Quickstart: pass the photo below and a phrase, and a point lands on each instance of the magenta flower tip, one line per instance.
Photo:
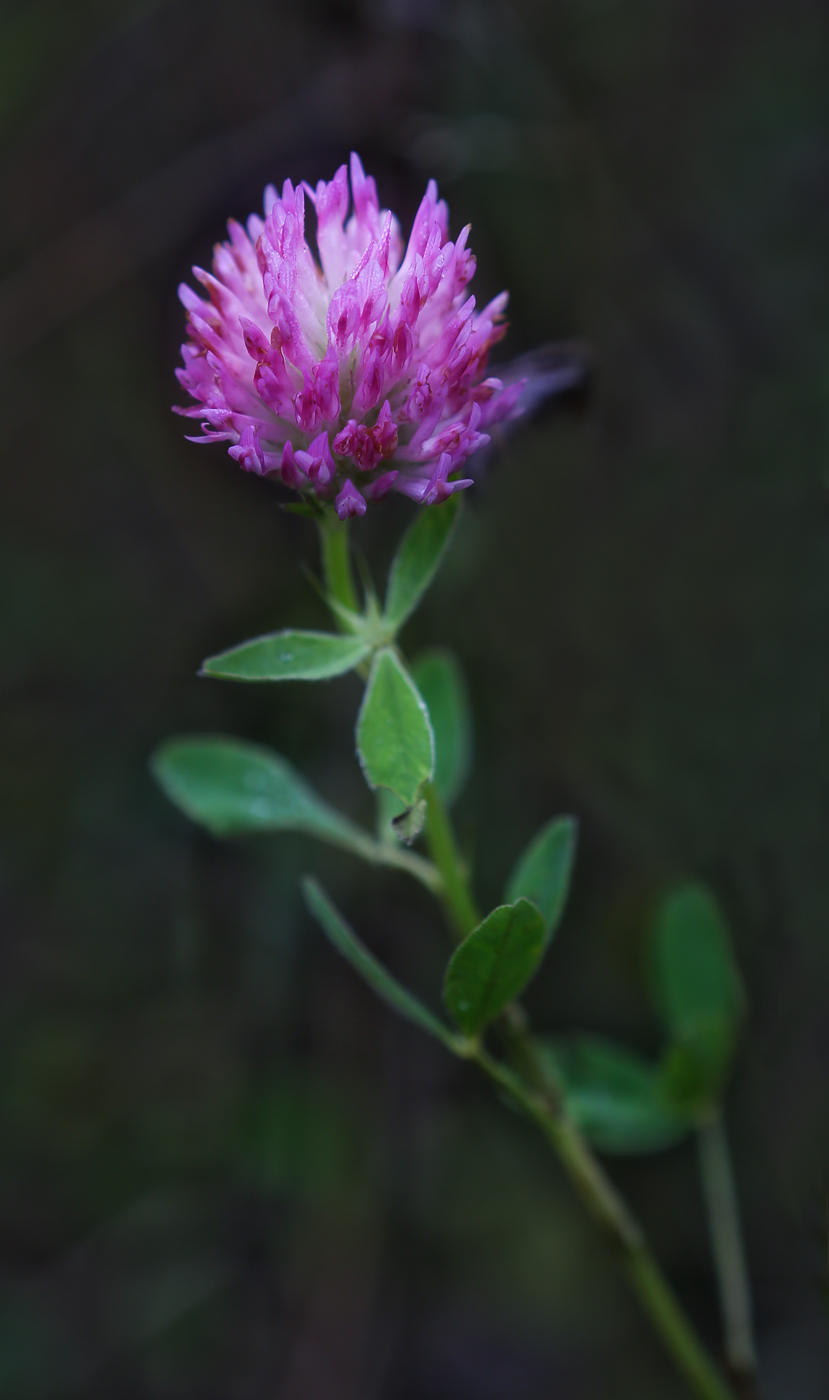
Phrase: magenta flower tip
(349, 502)
(364, 358)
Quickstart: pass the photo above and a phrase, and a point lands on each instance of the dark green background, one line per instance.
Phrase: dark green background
(226, 1170)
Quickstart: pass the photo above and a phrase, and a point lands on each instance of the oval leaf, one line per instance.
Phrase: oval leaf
(698, 991)
(695, 975)
(418, 559)
(543, 872)
(289, 656)
(615, 1096)
(232, 787)
(494, 964)
(693, 1072)
(348, 944)
(395, 743)
(440, 681)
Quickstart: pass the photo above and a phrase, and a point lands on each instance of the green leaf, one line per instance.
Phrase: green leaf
(395, 743)
(232, 787)
(698, 992)
(695, 974)
(692, 1074)
(346, 942)
(615, 1096)
(418, 559)
(440, 681)
(494, 964)
(289, 656)
(543, 872)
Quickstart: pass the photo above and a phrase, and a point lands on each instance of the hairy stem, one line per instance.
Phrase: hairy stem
(542, 1104)
(720, 1193)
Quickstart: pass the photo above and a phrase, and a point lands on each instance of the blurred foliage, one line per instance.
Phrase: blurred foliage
(225, 1170)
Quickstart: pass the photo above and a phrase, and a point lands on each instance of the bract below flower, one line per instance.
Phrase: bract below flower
(369, 359)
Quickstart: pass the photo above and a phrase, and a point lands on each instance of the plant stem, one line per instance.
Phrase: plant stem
(443, 848)
(588, 1176)
(612, 1215)
(336, 560)
(720, 1193)
(397, 857)
(537, 1099)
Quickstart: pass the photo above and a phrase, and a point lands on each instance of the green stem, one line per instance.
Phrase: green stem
(612, 1215)
(543, 1106)
(720, 1193)
(443, 848)
(539, 1102)
(336, 560)
(336, 569)
(397, 858)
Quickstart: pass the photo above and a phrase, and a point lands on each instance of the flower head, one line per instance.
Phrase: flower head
(367, 363)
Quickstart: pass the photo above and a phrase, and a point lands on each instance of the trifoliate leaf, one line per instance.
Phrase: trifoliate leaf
(440, 681)
(698, 992)
(543, 872)
(395, 744)
(494, 964)
(615, 1096)
(232, 787)
(349, 945)
(289, 656)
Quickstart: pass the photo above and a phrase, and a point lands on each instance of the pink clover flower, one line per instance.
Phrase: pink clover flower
(365, 358)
